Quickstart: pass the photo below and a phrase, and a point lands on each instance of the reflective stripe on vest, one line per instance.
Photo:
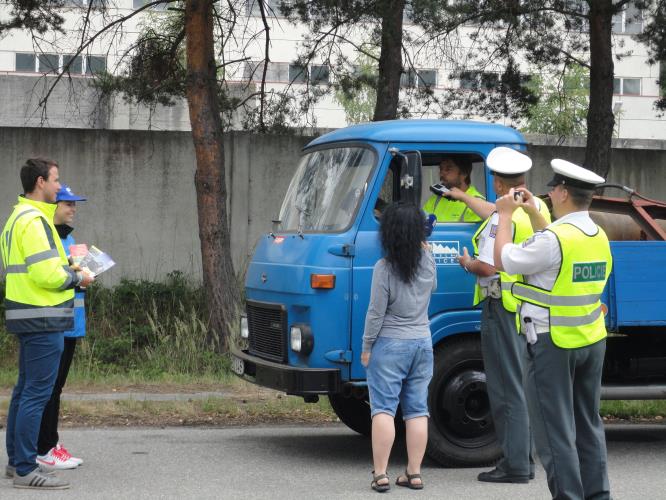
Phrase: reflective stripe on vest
(576, 316)
(544, 298)
(522, 229)
(449, 208)
(41, 312)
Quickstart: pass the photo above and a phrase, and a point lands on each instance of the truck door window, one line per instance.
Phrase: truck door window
(448, 169)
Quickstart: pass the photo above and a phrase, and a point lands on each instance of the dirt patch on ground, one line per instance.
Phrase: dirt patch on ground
(237, 408)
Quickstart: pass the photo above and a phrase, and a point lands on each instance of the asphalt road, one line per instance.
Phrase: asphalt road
(303, 463)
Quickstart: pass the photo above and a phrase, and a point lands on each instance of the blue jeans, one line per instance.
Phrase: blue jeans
(399, 372)
(39, 357)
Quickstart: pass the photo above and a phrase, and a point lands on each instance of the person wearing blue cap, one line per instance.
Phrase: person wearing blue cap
(51, 455)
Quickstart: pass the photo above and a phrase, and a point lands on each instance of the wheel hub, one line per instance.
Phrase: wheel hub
(464, 405)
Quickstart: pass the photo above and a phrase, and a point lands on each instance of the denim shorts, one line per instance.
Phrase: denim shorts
(399, 373)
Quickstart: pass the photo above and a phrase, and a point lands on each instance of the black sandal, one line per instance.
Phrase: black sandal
(380, 488)
(408, 483)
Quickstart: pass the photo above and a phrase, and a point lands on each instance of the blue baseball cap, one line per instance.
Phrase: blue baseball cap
(66, 194)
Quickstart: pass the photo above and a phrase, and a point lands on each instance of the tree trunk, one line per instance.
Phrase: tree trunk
(390, 61)
(600, 119)
(218, 273)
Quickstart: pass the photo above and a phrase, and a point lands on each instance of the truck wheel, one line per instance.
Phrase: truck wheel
(460, 430)
(353, 412)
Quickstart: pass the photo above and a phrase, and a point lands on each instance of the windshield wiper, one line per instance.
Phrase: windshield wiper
(302, 213)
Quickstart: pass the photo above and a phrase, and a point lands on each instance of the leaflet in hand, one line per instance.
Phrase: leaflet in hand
(94, 260)
(78, 252)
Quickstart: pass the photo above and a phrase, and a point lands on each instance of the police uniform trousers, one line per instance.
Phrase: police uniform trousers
(563, 392)
(504, 360)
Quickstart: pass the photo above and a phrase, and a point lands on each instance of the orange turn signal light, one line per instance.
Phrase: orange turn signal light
(326, 281)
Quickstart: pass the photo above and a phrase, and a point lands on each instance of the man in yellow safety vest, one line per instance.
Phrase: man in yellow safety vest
(39, 301)
(565, 269)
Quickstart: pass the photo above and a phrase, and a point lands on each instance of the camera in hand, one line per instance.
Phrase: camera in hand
(518, 195)
(439, 189)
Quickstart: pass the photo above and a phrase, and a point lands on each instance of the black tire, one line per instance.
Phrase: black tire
(353, 412)
(461, 432)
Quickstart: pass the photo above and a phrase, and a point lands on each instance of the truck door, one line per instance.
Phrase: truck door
(455, 286)
(398, 179)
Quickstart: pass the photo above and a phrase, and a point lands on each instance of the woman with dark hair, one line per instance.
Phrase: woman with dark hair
(397, 346)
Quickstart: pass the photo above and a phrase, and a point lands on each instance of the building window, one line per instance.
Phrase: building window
(48, 63)
(408, 79)
(272, 7)
(319, 74)
(629, 21)
(95, 65)
(298, 73)
(26, 62)
(276, 72)
(75, 64)
(426, 78)
(137, 4)
(627, 86)
(421, 78)
(55, 63)
(478, 80)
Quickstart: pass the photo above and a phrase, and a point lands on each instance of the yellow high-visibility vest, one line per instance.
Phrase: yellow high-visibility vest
(447, 210)
(39, 294)
(522, 229)
(576, 315)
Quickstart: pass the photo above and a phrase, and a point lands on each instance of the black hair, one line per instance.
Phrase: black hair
(402, 231)
(33, 169)
(581, 198)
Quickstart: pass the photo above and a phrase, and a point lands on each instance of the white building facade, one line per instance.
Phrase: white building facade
(28, 65)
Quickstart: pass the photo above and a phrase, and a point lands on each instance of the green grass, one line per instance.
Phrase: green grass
(265, 409)
(83, 380)
(633, 409)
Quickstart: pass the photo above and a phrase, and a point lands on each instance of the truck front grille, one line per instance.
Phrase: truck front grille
(267, 323)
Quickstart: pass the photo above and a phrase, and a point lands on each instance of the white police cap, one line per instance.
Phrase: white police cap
(507, 162)
(570, 174)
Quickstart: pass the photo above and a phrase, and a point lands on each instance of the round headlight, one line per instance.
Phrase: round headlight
(244, 330)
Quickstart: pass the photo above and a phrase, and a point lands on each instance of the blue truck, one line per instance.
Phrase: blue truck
(307, 286)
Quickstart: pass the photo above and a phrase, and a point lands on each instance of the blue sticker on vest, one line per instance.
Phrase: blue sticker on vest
(493, 230)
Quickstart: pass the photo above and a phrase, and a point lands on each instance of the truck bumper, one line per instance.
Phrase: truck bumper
(290, 379)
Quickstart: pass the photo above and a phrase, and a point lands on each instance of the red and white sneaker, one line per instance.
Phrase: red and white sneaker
(66, 454)
(55, 460)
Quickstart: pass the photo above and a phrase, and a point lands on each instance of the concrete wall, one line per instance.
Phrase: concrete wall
(140, 185)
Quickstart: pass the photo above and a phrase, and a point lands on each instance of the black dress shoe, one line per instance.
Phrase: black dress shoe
(498, 476)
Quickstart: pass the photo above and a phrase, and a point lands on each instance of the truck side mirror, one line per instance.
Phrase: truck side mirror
(410, 176)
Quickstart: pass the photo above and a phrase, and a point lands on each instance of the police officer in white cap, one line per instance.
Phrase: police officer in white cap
(503, 350)
(565, 269)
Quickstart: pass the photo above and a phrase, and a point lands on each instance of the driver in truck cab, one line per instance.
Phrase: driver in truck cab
(448, 204)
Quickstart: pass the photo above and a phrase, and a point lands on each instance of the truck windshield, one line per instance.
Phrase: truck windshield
(326, 189)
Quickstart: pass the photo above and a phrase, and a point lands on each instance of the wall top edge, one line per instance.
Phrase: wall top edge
(532, 139)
